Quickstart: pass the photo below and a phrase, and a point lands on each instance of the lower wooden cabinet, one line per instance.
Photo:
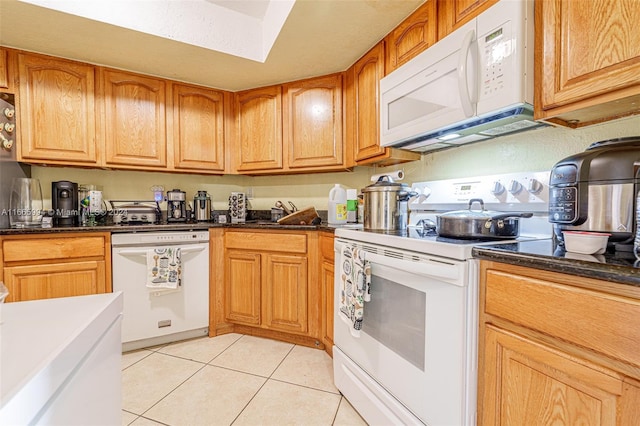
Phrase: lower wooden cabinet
(268, 285)
(557, 349)
(327, 256)
(49, 266)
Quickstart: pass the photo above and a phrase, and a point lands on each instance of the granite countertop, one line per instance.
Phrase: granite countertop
(191, 226)
(620, 267)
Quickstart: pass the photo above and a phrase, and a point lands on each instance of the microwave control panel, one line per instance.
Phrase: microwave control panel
(496, 54)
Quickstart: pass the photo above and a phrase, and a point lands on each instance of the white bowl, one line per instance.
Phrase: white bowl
(585, 242)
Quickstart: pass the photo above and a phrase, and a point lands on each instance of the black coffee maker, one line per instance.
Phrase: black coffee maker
(64, 202)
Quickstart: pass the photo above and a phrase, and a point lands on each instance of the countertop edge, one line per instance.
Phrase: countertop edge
(605, 272)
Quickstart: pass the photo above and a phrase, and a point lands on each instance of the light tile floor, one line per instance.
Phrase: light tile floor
(232, 379)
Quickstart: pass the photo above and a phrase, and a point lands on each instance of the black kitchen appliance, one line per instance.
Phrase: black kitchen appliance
(595, 191)
(176, 206)
(64, 203)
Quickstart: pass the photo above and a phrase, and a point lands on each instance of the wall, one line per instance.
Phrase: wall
(536, 150)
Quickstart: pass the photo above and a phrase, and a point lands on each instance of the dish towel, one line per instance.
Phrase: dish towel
(355, 287)
(164, 270)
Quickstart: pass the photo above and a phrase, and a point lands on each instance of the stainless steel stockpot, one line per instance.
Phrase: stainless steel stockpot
(385, 205)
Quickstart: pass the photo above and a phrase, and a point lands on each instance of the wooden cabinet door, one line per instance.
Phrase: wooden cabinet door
(242, 287)
(527, 383)
(312, 122)
(4, 69)
(412, 36)
(327, 256)
(454, 14)
(48, 281)
(134, 124)
(285, 297)
(258, 136)
(198, 129)
(367, 72)
(587, 60)
(57, 111)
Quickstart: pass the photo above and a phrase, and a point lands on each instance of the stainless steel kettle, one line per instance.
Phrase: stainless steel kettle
(202, 206)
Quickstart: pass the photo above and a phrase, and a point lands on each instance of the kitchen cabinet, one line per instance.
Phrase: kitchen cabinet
(133, 123)
(363, 112)
(454, 14)
(555, 347)
(57, 120)
(46, 266)
(327, 256)
(415, 34)
(269, 286)
(258, 137)
(313, 124)
(198, 136)
(587, 61)
(6, 83)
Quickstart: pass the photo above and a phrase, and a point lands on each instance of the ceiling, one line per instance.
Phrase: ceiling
(317, 37)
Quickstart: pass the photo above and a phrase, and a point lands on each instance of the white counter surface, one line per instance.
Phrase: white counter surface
(48, 348)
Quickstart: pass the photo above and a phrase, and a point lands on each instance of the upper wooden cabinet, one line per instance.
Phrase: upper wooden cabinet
(258, 130)
(587, 60)
(57, 111)
(5, 82)
(312, 123)
(133, 125)
(452, 14)
(198, 123)
(412, 36)
(363, 112)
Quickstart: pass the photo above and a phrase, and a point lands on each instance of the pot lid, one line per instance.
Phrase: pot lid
(385, 183)
(482, 213)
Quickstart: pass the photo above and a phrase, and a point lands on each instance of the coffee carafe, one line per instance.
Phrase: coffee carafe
(64, 202)
(202, 206)
(176, 206)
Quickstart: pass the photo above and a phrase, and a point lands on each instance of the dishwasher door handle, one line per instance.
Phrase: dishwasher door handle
(144, 252)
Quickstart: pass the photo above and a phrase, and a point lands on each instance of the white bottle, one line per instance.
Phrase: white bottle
(337, 210)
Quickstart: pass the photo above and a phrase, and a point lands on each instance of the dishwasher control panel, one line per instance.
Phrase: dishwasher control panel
(157, 238)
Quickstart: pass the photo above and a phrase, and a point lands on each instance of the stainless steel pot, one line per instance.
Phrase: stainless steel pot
(385, 205)
(481, 224)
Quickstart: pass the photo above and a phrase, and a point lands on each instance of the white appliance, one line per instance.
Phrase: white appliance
(151, 316)
(475, 84)
(415, 361)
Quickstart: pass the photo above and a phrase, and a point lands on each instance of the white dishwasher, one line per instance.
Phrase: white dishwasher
(153, 316)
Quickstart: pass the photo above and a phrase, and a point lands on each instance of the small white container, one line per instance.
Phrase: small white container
(585, 242)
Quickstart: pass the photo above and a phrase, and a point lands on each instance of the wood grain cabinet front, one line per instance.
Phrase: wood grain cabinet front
(587, 61)
(198, 123)
(269, 286)
(556, 348)
(258, 130)
(57, 121)
(49, 266)
(327, 256)
(133, 125)
(313, 124)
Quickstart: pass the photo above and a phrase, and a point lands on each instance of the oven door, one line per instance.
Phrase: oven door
(417, 342)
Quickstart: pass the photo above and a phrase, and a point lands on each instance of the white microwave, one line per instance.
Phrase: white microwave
(474, 84)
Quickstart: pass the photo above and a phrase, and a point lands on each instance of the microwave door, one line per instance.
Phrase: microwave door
(427, 101)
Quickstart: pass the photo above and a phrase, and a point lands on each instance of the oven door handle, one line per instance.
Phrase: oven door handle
(449, 272)
(144, 251)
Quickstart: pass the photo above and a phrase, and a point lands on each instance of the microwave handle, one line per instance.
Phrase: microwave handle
(466, 99)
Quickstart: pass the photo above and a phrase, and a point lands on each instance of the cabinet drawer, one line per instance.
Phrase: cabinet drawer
(266, 241)
(584, 317)
(52, 248)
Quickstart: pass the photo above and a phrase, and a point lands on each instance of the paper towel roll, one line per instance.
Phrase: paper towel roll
(396, 175)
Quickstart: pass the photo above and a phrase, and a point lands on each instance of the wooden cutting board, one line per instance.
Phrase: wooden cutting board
(301, 217)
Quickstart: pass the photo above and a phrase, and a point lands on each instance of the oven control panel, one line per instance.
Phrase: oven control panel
(505, 192)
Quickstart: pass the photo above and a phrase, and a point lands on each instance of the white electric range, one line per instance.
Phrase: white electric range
(414, 361)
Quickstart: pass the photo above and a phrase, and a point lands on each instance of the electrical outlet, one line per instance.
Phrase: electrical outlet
(249, 193)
